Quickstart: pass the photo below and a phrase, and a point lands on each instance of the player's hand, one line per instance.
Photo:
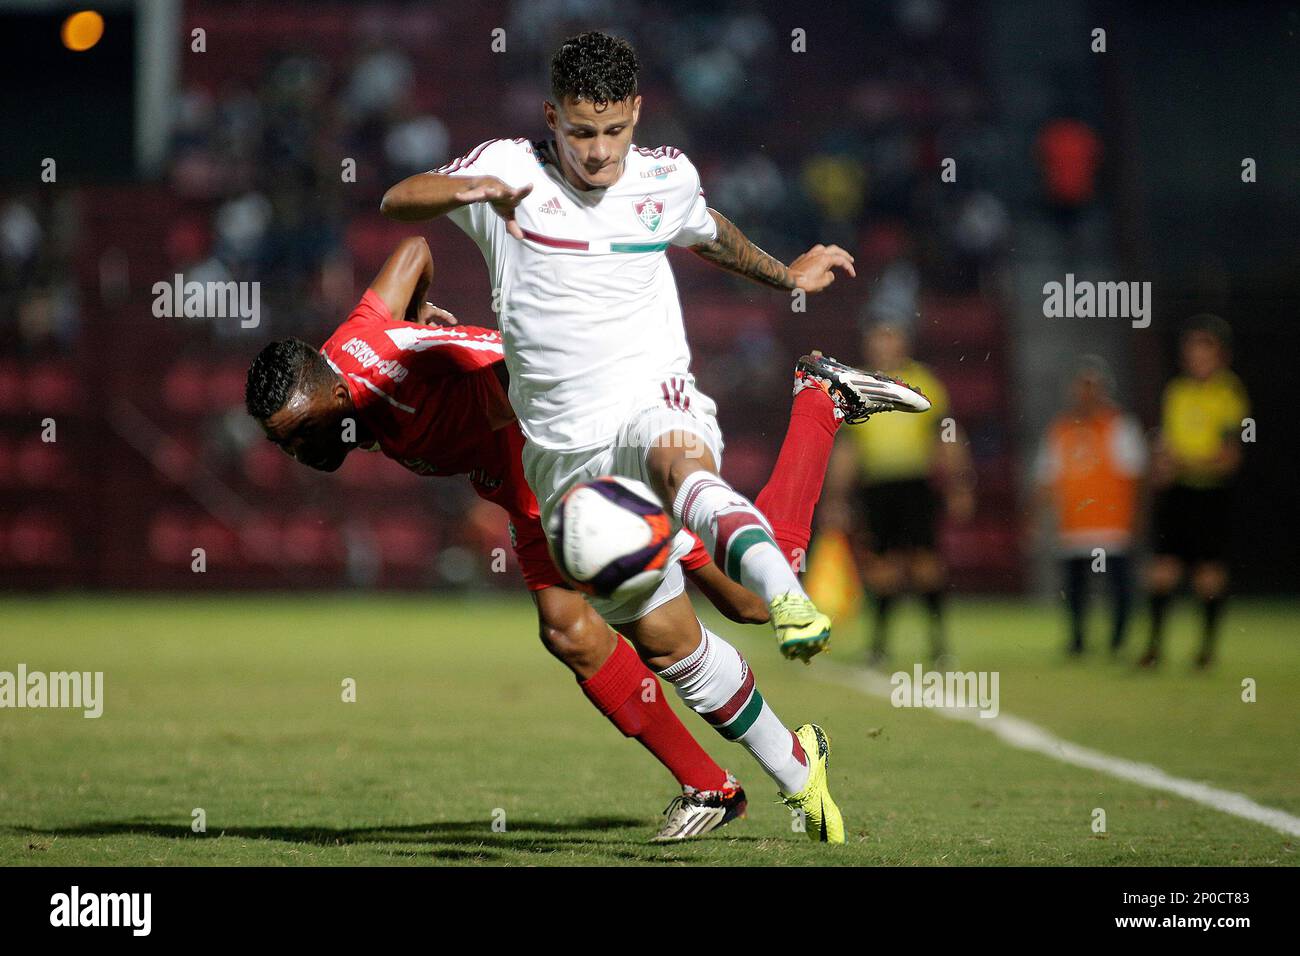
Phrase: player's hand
(503, 198)
(812, 271)
(430, 314)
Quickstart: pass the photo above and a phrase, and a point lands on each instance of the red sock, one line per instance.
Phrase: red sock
(791, 493)
(619, 692)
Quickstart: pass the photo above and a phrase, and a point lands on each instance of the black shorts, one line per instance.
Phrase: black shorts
(898, 515)
(1193, 524)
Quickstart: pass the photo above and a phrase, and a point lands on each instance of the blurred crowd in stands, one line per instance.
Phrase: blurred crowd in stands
(289, 129)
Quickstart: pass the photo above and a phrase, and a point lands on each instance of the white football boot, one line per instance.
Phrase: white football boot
(857, 394)
(696, 812)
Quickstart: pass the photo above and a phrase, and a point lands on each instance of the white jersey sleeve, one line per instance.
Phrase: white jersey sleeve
(509, 160)
(699, 226)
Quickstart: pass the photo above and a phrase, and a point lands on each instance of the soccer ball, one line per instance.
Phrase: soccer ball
(612, 537)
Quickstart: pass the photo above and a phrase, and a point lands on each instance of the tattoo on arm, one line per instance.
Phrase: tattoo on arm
(733, 252)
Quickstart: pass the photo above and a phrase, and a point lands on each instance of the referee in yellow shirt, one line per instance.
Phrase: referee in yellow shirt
(1197, 457)
(900, 474)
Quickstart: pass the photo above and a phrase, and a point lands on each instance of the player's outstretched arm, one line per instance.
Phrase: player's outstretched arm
(425, 196)
(430, 195)
(405, 277)
(732, 250)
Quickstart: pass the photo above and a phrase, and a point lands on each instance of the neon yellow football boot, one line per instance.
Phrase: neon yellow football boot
(802, 631)
(822, 819)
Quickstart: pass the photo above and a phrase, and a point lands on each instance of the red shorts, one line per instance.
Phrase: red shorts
(540, 571)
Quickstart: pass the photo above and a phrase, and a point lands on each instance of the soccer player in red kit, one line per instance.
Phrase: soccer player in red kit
(433, 398)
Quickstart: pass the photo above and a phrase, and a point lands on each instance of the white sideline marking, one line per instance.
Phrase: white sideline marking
(1024, 735)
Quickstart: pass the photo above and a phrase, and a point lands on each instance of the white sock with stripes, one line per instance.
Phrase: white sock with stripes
(717, 684)
(736, 534)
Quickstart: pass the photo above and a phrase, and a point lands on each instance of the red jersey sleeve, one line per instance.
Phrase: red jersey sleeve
(371, 309)
(462, 348)
(459, 348)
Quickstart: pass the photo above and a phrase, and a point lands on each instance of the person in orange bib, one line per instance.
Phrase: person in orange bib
(1089, 469)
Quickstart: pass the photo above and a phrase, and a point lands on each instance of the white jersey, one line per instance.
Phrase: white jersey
(587, 305)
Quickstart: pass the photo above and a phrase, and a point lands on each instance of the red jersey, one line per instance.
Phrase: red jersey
(430, 395)
(427, 393)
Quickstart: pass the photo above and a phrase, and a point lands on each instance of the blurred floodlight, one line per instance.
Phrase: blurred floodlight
(82, 30)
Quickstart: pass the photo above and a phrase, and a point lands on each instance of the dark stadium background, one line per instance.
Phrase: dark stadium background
(841, 144)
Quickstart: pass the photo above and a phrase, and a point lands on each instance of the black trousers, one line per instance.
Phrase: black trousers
(1078, 577)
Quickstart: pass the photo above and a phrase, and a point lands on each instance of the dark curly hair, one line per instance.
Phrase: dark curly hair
(595, 67)
(278, 371)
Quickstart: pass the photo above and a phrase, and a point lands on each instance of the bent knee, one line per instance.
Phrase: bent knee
(1210, 581)
(1163, 575)
(883, 575)
(927, 571)
(581, 643)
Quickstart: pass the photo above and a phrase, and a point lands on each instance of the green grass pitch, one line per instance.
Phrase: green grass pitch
(234, 705)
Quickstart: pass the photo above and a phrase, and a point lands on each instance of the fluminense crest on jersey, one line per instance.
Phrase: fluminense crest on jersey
(650, 211)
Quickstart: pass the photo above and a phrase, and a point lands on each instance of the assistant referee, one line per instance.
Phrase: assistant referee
(1197, 457)
(907, 475)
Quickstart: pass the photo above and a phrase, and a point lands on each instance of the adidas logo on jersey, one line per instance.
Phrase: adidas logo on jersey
(552, 207)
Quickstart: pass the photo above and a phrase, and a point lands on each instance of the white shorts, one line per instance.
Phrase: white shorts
(676, 406)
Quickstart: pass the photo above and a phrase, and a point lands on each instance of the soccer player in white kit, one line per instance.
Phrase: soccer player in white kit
(575, 232)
